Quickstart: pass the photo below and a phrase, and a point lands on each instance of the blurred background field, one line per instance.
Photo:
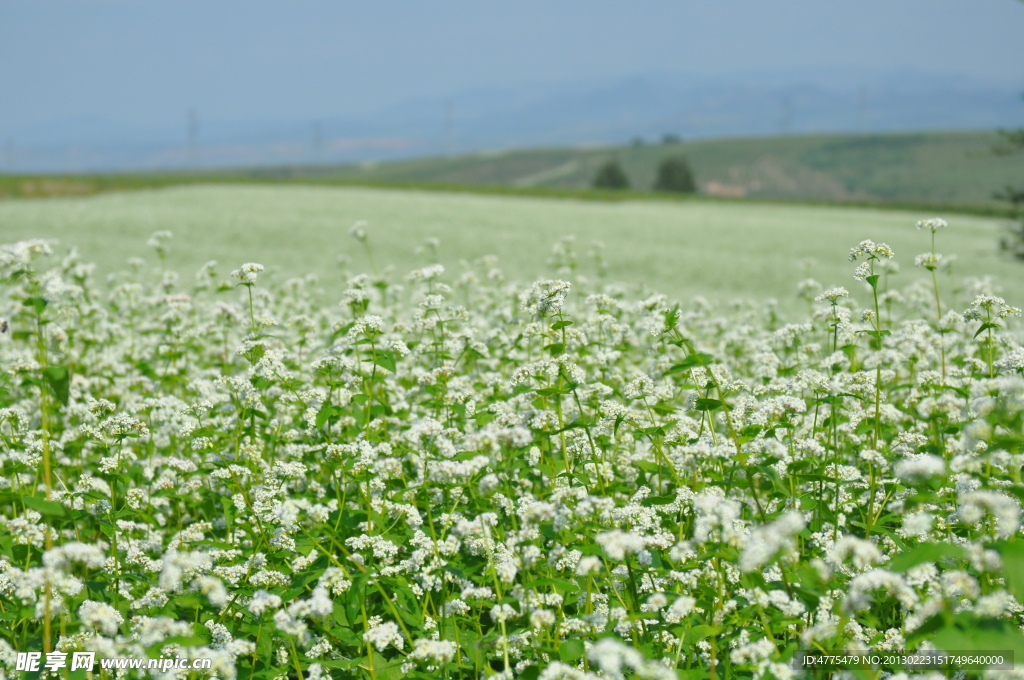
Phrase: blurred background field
(264, 134)
(720, 250)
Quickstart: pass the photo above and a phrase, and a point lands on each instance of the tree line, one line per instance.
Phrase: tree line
(674, 175)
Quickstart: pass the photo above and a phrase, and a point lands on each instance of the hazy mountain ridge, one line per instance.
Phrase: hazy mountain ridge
(601, 111)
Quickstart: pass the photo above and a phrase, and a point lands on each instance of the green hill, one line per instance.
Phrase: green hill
(942, 168)
(934, 168)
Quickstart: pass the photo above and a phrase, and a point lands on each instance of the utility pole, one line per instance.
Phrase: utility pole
(787, 113)
(449, 127)
(193, 137)
(862, 108)
(318, 142)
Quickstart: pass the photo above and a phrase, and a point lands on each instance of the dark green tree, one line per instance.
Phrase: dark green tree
(611, 176)
(674, 174)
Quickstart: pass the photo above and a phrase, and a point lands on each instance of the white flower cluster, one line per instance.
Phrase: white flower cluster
(450, 474)
(247, 273)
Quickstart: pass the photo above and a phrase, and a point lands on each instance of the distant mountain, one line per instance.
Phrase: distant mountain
(598, 111)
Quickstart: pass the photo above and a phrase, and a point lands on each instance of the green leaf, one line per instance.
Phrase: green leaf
(873, 280)
(184, 640)
(618, 422)
(1013, 567)
(343, 664)
(707, 405)
(984, 327)
(323, 414)
(555, 349)
(387, 670)
(188, 601)
(530, 673)
(672, 317)
(385, 360)
(926, 629)
(354, 599)
(926, 552)
(981, 635)
(561, 585)
(408, 606)
(261, 383)
(658, 500)
(36, 303)
(698, 359)
(570, 651)
(46, 508)
(58, 378)
(559, 325)
(694, 634)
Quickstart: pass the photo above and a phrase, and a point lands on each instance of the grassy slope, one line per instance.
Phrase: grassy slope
(720, 250)
(947, 169)
(922, 167)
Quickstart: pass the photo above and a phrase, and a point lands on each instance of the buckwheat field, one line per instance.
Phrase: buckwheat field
(450, 475)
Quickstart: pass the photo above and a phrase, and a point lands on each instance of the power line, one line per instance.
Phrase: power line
(193, 136)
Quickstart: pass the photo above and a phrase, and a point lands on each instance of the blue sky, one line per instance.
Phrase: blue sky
(147, 61)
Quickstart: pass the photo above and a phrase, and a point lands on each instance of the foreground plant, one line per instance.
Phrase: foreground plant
(462, 478)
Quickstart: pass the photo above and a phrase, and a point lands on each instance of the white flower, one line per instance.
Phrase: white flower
(1005, 510)
(871, 250)
(503, 612)
(427, 273)
(100, 616)
(918, 523)
(858, 593)
(617, 544)
(590, 564)
(262, 601)
(714, 511)
(541, 619)
(435, 653)
(157, 241)
(545, 298)
(920, 466)
(864, 553)
(383, 635)
(1012, 361)
(990, 306)
(833, 295)
(358, 230)
(63, 556)
(680, 609)
(933, 224)
(611, 656)
(247, 273)
(766, 541)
